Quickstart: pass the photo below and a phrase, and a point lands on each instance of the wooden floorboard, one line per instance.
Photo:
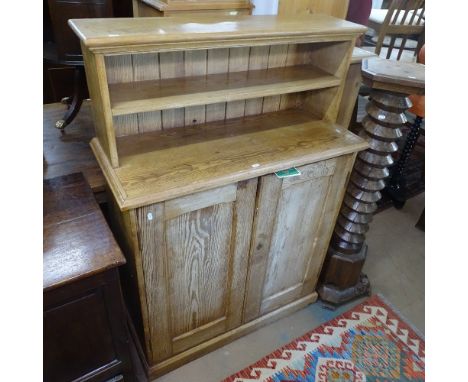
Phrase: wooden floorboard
(69, 152)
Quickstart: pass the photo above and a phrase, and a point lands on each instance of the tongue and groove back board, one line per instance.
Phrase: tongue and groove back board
(193, 118)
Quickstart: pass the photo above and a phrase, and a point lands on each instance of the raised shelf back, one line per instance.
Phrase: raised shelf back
(154, 91)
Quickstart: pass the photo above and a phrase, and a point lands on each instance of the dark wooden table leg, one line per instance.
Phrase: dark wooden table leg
(77, 101)
(396, 187)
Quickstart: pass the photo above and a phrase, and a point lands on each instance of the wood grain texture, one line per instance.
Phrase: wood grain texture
(77, 241)
(145, 68)
(119, 69)
(198, 255)
(298, 215)
(238, 62)
(351, 87)
(283, 227)
(334, 58)
(336, 191)
(124, 226)
(195, 65)
(335, 8)
(200, 90)
(394, 76)
(171, 65)
(96, 78)
(217, 114)
(350, 95)
(245, 148)
(199, 335)
(207, 32)
(242, 222)
(258, 60)
(276, 59)
(195, 254)
(189, 203)
(216, 342)
(184, 5)
(151, 235)
(267, 202)
(162, 8)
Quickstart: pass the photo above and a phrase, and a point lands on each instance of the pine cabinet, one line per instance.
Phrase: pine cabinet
(224, 164)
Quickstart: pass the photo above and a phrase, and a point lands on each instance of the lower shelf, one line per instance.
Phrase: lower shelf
(166, 164)
(172, 363)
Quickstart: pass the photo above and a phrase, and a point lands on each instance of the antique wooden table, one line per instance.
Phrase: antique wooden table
(85, 332)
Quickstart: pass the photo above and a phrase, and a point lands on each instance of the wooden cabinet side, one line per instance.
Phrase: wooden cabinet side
(124, 227)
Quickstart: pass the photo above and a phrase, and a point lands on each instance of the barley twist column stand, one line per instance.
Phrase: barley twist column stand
(391, 82)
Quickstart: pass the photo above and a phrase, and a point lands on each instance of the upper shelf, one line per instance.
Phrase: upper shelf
(166, 164)
(142, 96)
(118, 34)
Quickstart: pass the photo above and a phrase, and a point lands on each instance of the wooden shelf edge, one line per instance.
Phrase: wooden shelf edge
(127, 202)
(94, 33)
(135, 202)
(108, 171)
(318, 79)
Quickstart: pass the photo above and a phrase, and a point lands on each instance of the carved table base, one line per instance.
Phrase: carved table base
(342, 279)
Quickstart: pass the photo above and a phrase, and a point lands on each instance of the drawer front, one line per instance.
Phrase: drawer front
(293, 224)
(78, 338)
(194, 251)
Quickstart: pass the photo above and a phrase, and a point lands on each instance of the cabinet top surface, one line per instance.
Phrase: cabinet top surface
(167, 164)
(101, 33)
(77, 240)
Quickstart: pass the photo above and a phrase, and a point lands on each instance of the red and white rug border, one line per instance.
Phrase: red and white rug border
(376, 306)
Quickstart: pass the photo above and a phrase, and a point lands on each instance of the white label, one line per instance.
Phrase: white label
(150, 216)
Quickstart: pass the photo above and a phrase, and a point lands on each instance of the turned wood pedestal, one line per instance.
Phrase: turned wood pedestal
(390, 82)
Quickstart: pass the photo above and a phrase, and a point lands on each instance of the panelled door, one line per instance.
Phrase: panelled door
(293, 224)
(194, 251)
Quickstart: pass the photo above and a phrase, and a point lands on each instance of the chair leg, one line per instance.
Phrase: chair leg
(76, 102)
(396, 187)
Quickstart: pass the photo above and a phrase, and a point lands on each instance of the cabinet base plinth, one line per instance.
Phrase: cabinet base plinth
(178, 360)
(331, 294)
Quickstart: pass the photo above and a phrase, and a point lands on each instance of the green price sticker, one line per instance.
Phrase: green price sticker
(293, 171)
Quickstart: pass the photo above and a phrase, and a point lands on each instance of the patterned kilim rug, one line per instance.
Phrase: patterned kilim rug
(369, 343)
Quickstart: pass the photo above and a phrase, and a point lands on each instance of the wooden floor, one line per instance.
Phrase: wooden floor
(69, 152)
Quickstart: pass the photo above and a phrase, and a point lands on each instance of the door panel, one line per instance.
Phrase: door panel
(198, 259)
(195, 252)
(292, 226)
(297, 218)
